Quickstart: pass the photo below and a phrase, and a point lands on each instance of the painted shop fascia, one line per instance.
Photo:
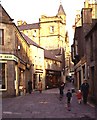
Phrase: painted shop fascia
(8, 57)
(14, 78)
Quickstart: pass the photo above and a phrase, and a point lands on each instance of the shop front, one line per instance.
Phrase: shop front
(8, 74)
(21, 80)
(38, 75)
(52, 79)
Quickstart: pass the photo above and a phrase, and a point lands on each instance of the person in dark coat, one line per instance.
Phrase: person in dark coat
(61, 88)
(69, 96)
(85, 91)
(29, 86)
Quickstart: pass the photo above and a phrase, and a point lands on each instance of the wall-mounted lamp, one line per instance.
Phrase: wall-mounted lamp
(19, 47)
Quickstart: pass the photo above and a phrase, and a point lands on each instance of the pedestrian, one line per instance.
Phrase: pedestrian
(29, 86)
(85, 91)
(40, 86)
(69, 96)
(61, 88)
(79, 96)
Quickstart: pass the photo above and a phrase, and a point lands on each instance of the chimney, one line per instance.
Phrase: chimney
(20, 22)
(86, 16)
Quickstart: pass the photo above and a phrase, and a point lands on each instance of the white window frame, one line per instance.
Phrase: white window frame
(1, 36)
(51, 29)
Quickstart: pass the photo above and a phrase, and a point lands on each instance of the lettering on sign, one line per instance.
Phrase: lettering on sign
(8, 57)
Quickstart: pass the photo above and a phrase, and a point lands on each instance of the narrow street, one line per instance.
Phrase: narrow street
(45, 105)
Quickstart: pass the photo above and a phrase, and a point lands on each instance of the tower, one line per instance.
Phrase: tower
(61, 13)
(53, 30)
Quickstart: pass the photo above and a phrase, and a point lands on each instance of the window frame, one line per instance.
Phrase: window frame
(4, 62)
(34, 33)
(2, 37)
(51, 29)
(91, 48)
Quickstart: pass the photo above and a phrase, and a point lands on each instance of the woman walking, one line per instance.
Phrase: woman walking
(40, 86)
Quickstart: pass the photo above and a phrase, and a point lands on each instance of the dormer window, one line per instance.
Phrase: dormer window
(51, 29)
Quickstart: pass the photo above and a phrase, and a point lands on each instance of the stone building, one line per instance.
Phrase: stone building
(50, 33)
(81, 48)
(30, 30)
(14, 57)
(49, 30)
(37, 60)
(91, 55)
(53, 68)
(26, 52)
(53, 30)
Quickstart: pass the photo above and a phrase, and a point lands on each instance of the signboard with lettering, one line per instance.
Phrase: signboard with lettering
(8, 57)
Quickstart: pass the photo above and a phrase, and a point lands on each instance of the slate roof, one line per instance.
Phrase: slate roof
(29, 41)
(51, 54)
(28, 26)
(4, 16)
(93, 27)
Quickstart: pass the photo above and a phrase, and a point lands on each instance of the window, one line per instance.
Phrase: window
(76, 47)
(2, 76)
(34, 33)
(1, 37)
(91, 47)
(51, 29)
(83, 69)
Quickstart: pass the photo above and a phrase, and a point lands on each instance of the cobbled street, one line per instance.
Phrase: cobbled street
(45, 105)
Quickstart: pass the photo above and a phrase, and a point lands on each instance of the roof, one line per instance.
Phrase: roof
(78, 32)
(4, 16)
(51, 54)
(61, 10)
(94, 26)
(29, 41)
(28, 26)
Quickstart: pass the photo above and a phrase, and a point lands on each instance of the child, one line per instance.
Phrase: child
(69, 96)
(79, 96)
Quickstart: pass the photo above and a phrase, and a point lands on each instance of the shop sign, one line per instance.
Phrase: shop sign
(8, 57)
(38, 71)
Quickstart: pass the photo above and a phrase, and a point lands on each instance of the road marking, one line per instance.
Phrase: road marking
(91, 105)
(7, 112)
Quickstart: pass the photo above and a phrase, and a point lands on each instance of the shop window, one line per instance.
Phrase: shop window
(1, 37)
(2, 76)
